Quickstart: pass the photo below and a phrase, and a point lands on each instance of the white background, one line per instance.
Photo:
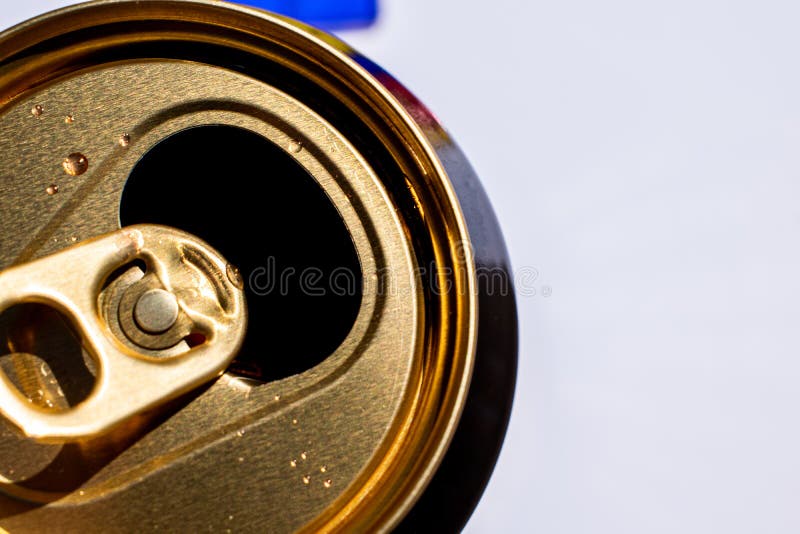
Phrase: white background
(643, 157)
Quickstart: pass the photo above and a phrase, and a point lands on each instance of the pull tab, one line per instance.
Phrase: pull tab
(138, 338)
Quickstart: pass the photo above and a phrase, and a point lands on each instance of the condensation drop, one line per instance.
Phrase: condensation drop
(304, 456)
(75, 164)
(295, 147)
(293, 463)
(124, 140)
(37, 110)
(52, 189)
(69, 119)
(307, 480)
(328, 483)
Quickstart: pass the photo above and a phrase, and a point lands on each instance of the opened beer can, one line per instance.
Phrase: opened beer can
(247, 283)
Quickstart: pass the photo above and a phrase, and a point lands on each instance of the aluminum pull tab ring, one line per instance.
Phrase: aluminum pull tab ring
(137, 341)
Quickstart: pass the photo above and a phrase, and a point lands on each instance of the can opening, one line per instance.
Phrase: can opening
(266, 214)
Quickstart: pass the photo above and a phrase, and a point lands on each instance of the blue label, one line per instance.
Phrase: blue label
(329, 14)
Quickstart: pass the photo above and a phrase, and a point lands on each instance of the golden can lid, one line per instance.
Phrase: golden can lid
(247, 282)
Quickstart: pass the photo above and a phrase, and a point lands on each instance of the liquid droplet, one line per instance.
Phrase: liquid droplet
(328, 483)
(295, 147)
(323, 469)
(124, 140)
(235, 276)
(241, 459)
(52, 189)
(293, 463)
(81, 492)
(277, 398)
(75, 164)
(240, 433)
(307, 480)
(69, 119)
(294, 421)
(304, 456)
(37, 110)
(230, 518)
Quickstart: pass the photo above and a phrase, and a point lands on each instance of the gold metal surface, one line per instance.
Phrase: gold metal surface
(349, 444)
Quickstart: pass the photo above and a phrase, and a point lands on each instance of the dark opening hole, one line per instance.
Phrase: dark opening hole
(195, 339)
(43, 357)
(265, 214)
